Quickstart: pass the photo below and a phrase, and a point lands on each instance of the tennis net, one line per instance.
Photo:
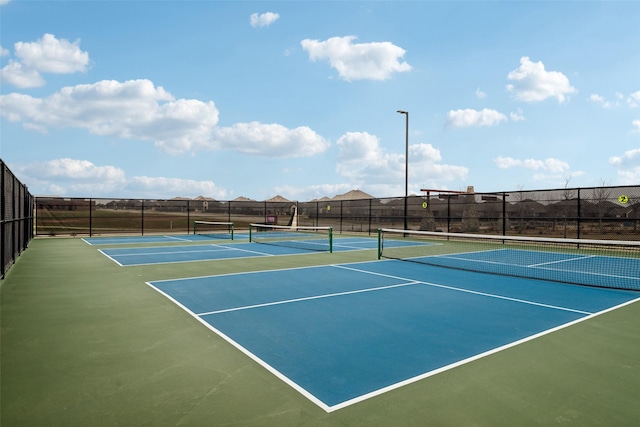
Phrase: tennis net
(602, 263)
(299, 237)
(216, 230)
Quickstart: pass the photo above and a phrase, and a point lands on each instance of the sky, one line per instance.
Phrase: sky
(227, 99)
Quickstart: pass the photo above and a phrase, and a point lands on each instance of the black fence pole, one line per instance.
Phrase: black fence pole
(448, 213)
(578, 216)
(188, 216)
(504, 214)
(3, 237)
(370, 212)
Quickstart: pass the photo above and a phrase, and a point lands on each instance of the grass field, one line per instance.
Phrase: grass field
(86, 342)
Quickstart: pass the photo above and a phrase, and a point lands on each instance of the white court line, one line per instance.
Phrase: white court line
(560, 261)
(250, 354)
(222, 248)
(453, 288)
(111, 258)
(170, 252)
(358, 291)
(178, 238)
(244, 250)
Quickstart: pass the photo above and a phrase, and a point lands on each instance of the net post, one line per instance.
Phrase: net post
(330, 240)
(232, 228)
(250, 240)
(194, 228)
(379, 243)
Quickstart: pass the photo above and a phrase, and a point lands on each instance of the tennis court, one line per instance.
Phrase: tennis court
(181, 238)
(367, 328)
(209, 252)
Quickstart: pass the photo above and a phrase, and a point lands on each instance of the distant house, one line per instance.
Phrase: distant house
(62, 204)
(278, 199)
(353, 195)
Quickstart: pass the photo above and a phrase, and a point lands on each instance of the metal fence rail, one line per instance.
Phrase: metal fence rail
(594, 213)
(16, 215)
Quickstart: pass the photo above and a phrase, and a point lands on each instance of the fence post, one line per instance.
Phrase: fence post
(189, 217)
(369, 229)
(448, 213)
(2, 218)
(504, 214)
(579, 215)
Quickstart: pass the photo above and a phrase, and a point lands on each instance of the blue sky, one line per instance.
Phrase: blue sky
(158, 99)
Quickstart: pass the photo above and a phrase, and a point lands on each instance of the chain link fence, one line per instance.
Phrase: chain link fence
(594, 213)
(16, 213)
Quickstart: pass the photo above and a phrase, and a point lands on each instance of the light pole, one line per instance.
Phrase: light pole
(406, 164)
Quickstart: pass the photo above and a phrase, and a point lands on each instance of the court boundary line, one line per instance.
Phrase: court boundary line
(331, 295)
(249, 354)
(224, 248)
(109, 257)
(262, 271)
(213, 249)
(168, 237)
(474, 358)
(469, 291)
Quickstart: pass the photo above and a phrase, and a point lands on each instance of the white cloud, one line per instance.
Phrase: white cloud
(532, 83)
(174, 186)
(263, 19)
(636, 125)
(16, 74)
(47, 55)
(76, 170)
(137, 109)
(480, 94)
(70, 176)
(630, 176)
(366, 164)
(469, 117)
(516, 116)
(602, 101)
(3, 2)
(550, 170)
(628, 165)
(270, 140)
(82, 178)
(3, 51)
(551, 165)
(358, 61)
(630, 158)
(634, 99)
(50, 55)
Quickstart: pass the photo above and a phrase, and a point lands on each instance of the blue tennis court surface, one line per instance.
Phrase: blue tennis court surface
(124, 240)
(191, 253)
(342, 333)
